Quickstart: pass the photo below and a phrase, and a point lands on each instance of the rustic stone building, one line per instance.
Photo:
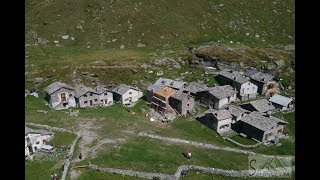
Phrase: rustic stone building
(260, 105)
(246, 89)
(161, 83)
(259, 127)
(182, 102)
(193, 88)
(217, 97)
(60, 96)
(267, 86)
(105, 96)
(126, 94)
(218, 120)
(160, 100)
(86, 97)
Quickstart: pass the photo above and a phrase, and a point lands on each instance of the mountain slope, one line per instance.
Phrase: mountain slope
(160, 23)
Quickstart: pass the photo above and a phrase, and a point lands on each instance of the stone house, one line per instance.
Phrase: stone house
(218, 120)
(35, 140)
(193, 88)
(86, 97)
(105, 96)
(60, 96)
(126, 94)
(161, 83)
(246, 89)
(259, 127)
(182, 102)
(260, 105)
(160, 100)
(267, 86)
(217, 97)
(281, 102)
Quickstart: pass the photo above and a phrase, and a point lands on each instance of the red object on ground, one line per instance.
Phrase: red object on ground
(187, 152)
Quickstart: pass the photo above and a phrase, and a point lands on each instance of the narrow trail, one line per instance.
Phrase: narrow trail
(201, 145)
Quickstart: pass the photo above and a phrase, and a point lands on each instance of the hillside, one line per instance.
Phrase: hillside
(160, 23)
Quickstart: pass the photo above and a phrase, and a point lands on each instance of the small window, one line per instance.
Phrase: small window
(247, 89)
(38, 142)
(188, 104)
(95, 99)
(85, 95)
(253, 88)
(70, 95)
(105, 94)
(85, 102)
(130, 92)
(91, 94)
(101, 100)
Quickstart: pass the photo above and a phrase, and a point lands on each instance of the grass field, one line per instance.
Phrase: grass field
(155, 156)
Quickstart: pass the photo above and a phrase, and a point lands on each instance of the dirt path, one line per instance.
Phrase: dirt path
(199, 144)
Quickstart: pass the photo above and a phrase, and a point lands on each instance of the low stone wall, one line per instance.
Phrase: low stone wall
(125, 172)
(226, 173)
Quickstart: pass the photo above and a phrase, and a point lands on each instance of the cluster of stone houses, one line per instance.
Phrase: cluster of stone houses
(36, 140)
(62, 96)
(253, 118)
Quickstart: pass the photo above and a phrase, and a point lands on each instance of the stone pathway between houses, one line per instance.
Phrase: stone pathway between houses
(177, 175)
(87, 136)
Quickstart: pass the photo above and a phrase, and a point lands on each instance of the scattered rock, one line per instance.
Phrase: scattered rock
(141, 45)
(65, 37)
(56, 42)
(38, 80)
(160, 73)
(289, 47)
(72, 38)
(177, 66)
(114, 40)
(42, 111)
(280, 63)
(257, 36)
(122, 46)
(41, 41)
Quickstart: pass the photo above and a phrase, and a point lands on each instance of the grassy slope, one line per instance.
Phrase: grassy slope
(157, 23)
(145, 154)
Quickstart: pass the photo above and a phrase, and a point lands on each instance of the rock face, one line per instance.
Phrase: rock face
(280, 63)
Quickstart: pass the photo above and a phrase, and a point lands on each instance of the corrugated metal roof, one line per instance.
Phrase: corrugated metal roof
(281, 100)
